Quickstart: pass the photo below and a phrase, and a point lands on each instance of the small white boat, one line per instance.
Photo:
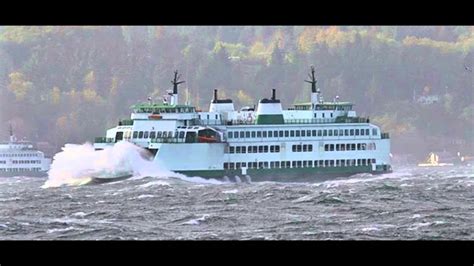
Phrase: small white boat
(433, 161)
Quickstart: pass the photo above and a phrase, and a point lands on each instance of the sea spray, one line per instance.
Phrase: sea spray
(76, 164)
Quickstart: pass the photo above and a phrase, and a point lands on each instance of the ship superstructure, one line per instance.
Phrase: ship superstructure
(313, 140)
(21, 158)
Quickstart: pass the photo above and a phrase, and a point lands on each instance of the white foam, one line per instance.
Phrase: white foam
(196, 221)
(233, 191)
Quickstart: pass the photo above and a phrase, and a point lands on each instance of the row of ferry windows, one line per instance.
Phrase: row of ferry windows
(350, 147)
(18, 155)
(300, 133)
(254, 149)
(35, 169)
(21, 161)
(153, 134)
(300, 164)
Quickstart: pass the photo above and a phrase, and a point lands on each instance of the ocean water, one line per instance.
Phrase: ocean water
(409, 204)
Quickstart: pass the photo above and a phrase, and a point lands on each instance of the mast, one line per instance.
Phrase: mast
(175, 82)
(314, 91)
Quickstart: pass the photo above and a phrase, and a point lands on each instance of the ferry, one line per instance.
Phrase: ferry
(21, 158)
(317, 140)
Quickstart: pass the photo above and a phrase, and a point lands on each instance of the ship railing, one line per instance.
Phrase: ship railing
(168, 140)
(309, 121)
(103, 140)
(385, 135)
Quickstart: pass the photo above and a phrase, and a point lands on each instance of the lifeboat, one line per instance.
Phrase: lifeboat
(154, 116)
(207, 139)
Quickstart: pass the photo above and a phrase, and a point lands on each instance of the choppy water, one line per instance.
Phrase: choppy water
(411, 203)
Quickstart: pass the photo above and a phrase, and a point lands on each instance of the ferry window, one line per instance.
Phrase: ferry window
(374, 131)
(367, 132)
(320, 133)
(362, 132)
(338, 147)
(305, 163)
(231, 165)
(249, 149)
(326, 147)
(358, 147)
(259, 134)
(293, 164)
(343, 163)
(353, 146)
(265, 148)
(181, 134)
(244, 149)
(159, 133)
(272, 164)
(331, 147)
(237, 165)
(297, 133)
(325, 132)
(277, 164)
(331, 163)
(165, 134)
(358, 161)
(336, 132)
(270, 134)
(236, 134)
(207, 117)
(244, 164)
(253, 134)
(216, 117)
(170, 134)
(303, 133)
(260, 149)
(293, 148)
(231, 149)
(275, 134)
(331, 114)
(260, 165)
(226, 165)
(313, 133)
(364, 146)
(352, 132)
(237, 149)
(287, 133)
(310, 163)
(247, 134)
(254, 149)
(135, 134)
(265, 164)
(310, 147)
(241, 134)
(288, 164)
(229, 135)
(305, 148)
(264, 134)
(357, 132)
(292, 133)
(341, 132)
(298, 148)
(280, 134)
(145, 135)
(330, 132)
(152, 135)
(140, 134)
(364, 162)
(323, 115)
(272, 148)
(373, 161)
(277, 148)
(254, 165)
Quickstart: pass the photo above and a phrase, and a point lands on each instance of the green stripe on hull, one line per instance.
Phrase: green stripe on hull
(287, 174)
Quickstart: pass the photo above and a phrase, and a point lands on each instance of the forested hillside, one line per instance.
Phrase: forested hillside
(68, 84)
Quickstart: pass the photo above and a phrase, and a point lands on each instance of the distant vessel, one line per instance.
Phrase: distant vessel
(20, 158)
(433, 161)
(317, 139)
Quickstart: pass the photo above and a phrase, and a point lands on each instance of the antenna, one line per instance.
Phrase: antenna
(312, 80)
